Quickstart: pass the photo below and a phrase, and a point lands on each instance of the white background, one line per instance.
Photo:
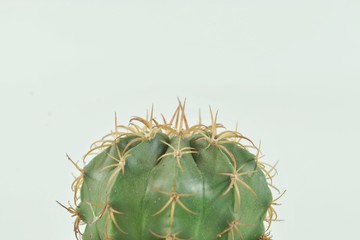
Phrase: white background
(287, 71)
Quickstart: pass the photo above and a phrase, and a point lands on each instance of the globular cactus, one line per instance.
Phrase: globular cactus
(172, 181)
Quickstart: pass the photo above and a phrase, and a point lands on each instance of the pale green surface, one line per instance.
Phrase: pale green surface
(288, 71)
(140, 192)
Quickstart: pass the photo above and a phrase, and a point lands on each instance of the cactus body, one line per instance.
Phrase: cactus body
(172, 181)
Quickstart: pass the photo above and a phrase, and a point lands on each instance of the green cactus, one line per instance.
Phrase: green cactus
(172, 181)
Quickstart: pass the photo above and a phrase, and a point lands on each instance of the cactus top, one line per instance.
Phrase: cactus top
(172, 181)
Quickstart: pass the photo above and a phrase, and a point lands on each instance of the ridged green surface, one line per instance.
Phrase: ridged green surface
(202, 210)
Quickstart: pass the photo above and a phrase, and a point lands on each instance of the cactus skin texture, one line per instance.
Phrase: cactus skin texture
(170, 181)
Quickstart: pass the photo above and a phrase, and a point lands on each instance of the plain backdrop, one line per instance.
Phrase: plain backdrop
(287, 71)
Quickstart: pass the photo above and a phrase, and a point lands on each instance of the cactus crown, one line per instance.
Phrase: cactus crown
(151, 180)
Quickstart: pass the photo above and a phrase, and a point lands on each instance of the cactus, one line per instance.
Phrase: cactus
(172, 181)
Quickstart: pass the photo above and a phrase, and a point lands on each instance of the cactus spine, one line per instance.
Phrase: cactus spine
(173, 181)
